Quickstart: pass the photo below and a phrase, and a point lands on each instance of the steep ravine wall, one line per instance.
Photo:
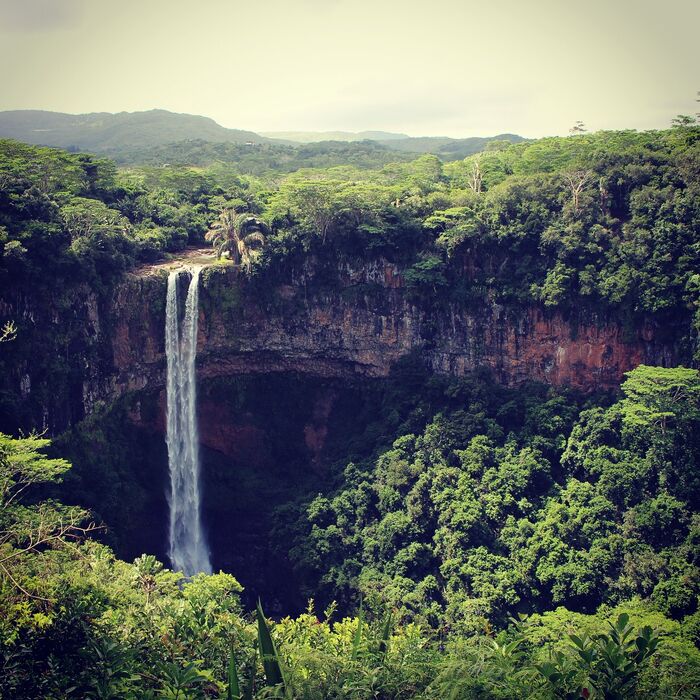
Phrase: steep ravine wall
(359, 327)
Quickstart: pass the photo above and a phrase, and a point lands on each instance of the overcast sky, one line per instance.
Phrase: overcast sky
(428, 67)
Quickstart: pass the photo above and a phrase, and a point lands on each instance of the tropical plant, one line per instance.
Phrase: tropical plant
(274, 675)
(27, 529)
(179, 682)
(612, 660)
(241, 234)
(109, 670)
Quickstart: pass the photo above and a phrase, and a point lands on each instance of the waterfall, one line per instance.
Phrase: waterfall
(188, 549)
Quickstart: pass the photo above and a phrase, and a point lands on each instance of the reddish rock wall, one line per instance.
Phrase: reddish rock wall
(352, 332)
(358, 325)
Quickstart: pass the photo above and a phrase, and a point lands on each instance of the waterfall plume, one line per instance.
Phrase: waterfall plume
(188, 549)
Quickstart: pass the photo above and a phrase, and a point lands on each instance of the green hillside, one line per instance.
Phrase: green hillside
(445, 147)
(108, 133)
(315, 136)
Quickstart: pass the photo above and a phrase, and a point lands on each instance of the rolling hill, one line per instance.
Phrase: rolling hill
(316, 136)
(446, 147)
(151, 135)
(110, 133)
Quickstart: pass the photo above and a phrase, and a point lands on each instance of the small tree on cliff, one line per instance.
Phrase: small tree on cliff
(239, 233)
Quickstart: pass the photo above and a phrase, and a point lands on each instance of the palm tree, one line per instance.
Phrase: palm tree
(239, 233)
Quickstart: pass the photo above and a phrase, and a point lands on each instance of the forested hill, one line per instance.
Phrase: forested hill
(158, 136)
(443, 146)
(316, 136)
(104, 132)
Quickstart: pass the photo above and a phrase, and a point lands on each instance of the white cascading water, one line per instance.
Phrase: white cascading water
(188, 548)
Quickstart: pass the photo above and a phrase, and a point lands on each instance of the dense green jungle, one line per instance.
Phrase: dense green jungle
(416, 534)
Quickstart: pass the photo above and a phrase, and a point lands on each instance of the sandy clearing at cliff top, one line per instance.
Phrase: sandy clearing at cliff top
(190, 256)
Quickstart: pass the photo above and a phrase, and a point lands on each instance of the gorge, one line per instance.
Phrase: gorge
(330, 352)
(460, 400)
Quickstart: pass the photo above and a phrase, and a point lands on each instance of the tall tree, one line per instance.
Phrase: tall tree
(239, 233)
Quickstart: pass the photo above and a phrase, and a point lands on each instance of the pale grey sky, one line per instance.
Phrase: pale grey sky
(424, 67)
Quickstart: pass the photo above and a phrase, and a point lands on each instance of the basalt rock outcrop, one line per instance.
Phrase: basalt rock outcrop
(362, 327)
(358, 326)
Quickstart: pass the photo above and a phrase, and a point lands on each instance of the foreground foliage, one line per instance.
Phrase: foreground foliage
(78, 622)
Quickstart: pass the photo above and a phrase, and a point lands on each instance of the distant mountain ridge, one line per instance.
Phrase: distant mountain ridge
(444, 146)
(130, 133)
(316, 136)
(106, 132)
(447, 147)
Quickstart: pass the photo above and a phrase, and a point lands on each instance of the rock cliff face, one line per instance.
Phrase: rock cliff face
(76, 353)
(362, 328)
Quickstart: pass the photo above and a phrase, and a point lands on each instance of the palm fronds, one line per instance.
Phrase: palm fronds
(241, 234)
